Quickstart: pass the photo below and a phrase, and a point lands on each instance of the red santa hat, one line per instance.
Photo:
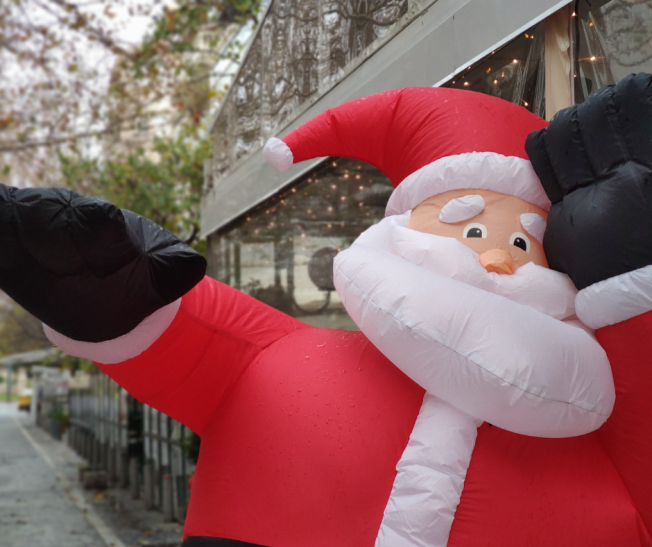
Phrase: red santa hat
(427, 140)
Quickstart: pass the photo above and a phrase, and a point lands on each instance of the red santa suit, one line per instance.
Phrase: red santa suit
(315, 437)
(597, 488)
(303, 430)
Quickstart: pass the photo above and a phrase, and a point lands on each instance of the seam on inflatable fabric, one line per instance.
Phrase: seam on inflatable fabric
(436, 469)
(477, 365)
(251, 365)
(216, 330)
(391, 131)
(621, 134)
(200, 361)
(211, 328)
(576, 122)
(642, 523)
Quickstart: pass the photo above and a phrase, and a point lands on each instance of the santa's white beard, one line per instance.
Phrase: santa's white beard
(499, 347)
(545, 290)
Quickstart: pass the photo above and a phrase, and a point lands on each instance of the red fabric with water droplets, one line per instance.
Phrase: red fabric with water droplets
(522, 491)
(594, 490)
(627, 435)
(301, 428)
(402, 130)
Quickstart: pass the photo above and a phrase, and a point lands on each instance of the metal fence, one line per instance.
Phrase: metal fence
(130, 445)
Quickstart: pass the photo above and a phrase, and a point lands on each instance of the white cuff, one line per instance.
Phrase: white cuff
(278, 154)
(615, 299)
(124, 347)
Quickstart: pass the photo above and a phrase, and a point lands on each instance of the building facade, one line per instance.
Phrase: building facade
(274, 235)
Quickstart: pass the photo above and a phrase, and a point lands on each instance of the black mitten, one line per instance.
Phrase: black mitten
(595, 163)
(86, 268)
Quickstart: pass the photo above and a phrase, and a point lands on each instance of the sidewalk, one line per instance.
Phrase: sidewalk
(45, 478)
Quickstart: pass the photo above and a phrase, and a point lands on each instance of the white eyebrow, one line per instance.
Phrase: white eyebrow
(534, 224)
(459, 209)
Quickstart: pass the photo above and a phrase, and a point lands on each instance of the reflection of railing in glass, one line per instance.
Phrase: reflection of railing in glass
(302, 50)
(515, 72)
(611, 39)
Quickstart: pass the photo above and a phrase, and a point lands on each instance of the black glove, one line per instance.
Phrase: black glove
(86, 268)
(595, 163)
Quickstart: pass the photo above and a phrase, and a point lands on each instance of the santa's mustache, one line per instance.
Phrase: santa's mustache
(545, 290)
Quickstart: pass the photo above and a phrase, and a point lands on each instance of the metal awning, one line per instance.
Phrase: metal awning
(33, 357)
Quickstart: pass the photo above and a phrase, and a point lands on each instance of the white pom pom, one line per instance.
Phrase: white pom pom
(534, 224)
(278, 154)
(459, 209)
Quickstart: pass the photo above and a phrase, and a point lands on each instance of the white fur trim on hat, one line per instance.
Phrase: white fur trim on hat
(278, 154)
(615, 299)
(476, 170)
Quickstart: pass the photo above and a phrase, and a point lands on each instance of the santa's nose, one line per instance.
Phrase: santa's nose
(497, 260)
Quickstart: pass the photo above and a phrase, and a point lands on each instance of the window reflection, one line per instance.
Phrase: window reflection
(515, 72)
(282, 251)
(611, 39)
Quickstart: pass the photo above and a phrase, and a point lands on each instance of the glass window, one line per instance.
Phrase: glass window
(282, 251)
(515, 72)
(611, 39)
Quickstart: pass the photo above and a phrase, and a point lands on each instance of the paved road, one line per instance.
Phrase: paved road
(42, 504)
(36, 504)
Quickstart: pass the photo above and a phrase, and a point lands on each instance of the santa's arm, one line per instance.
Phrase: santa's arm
(186, 357)
(500, 361)
(116, 288)
(595, 162)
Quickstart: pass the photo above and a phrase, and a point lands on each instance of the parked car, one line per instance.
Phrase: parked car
(25, 400)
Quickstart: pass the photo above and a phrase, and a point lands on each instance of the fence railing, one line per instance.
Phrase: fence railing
(131, 445)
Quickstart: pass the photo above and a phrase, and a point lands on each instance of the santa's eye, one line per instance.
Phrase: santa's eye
(475, 229)
(520, 240)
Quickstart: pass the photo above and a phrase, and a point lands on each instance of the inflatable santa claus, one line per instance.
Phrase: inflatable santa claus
(467, 410)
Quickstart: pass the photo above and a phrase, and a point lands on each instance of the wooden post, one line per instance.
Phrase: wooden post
(168, 506)
(134, 479)
(148, 478)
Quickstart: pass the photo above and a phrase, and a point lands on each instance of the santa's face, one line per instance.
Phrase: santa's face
(489, 223)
